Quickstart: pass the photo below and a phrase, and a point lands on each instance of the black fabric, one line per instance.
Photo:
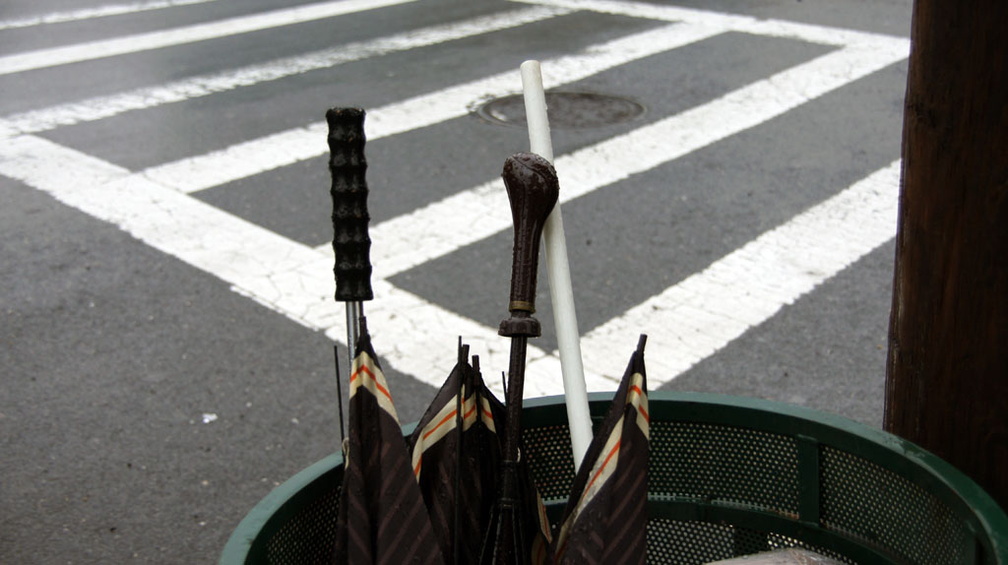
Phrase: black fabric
(382, 517)
(605, 520)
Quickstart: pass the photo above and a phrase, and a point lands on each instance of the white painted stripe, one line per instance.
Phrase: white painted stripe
(728, 22)
(697, 317)
(239, 252)
(290, 146)
(149, 97)
(55, 56)
(96, 12)
(686, 323)
(439, 228)
(294, 279)
(415, 337)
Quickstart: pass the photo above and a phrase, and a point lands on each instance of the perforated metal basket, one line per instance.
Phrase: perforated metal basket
(728, 477)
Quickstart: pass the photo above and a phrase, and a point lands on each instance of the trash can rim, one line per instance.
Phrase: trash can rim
(818, 426)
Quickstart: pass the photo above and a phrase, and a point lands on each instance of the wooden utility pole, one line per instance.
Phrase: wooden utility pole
(947, 374)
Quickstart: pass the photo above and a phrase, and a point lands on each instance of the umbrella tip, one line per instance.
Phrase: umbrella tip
(641, 342)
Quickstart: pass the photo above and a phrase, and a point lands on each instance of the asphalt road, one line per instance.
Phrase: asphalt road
(165, 291)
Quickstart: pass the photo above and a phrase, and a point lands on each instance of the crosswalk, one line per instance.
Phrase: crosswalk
(93, 13)
(165, 205)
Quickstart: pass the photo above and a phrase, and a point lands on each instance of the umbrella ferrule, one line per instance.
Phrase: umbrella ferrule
(509, 484)
(520, 324)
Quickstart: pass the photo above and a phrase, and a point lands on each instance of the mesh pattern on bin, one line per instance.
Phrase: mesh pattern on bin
(777, 541)
(724, 464)
(309, 535)
(698, 464)
(676, 542)
(864, 500)
(548, 450)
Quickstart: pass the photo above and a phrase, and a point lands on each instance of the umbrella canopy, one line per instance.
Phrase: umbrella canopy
(457, 458)
(526, 515)
(453, 461)
(382, 517)
(532, 189)
(606, 520)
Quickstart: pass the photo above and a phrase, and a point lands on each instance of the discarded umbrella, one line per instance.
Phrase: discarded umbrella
(382, 518)
(351, 244)
(532, 188)
(605, 520)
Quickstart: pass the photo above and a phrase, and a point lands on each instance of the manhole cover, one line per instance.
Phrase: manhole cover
(567, 110)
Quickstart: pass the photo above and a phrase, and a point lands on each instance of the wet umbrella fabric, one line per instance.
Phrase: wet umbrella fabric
(454, 457)
(606, 518)
(529, 512)
(444, 466)
(382, 517)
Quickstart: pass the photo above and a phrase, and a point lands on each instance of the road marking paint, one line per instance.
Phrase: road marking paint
(417, 337)
(728, 22)
(482, 211)
(237, 251)
(686, 323)
(101, 107)
(91, 50)
(695, 318)
(291, 146)
(96, 12)
(286, 276)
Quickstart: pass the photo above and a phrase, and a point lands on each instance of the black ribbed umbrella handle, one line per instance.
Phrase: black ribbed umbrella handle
(349, 192)
(351, 243)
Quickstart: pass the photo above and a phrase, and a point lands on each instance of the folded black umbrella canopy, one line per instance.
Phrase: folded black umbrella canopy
(606, 520)
(382, 517)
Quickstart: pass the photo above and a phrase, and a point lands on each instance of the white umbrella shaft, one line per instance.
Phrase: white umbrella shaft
(558, 270)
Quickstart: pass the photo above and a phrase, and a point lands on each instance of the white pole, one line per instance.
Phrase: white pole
(558, 270)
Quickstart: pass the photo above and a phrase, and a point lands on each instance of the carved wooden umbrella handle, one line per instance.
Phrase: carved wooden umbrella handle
(533, 189)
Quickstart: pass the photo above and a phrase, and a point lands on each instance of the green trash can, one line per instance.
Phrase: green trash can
(728, 477)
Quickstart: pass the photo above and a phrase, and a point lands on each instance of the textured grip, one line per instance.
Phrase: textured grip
(349, 192)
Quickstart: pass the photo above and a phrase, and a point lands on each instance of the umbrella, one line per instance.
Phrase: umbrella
(558, 271)
(453, 464)
(456, 458)
(469, 444)
(351, 244)
(532, 188)
(382, 518)
(530, 523)
(605, 520)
